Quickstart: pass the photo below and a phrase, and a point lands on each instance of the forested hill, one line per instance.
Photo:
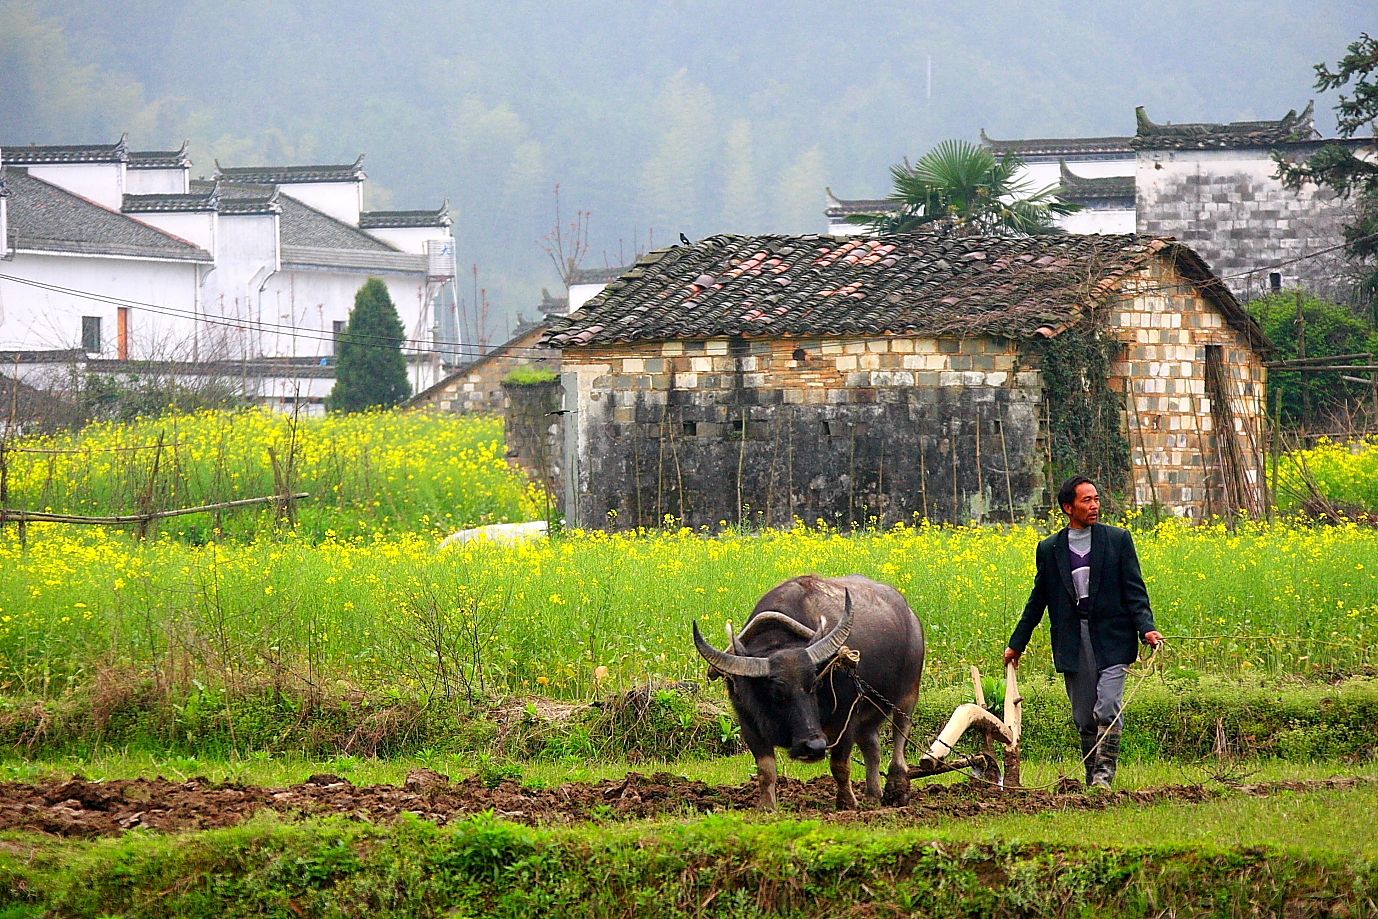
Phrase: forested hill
(659, 118)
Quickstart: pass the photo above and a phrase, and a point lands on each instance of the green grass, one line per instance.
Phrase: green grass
(1293, 854)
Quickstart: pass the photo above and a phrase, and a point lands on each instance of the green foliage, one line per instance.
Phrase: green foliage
(527, 375)
(1309, 399)
(964, 189)
(1084, 413)
(370, 371)
(1340, 168)
(1158, 863)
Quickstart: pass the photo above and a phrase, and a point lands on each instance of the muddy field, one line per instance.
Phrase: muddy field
(78, 807)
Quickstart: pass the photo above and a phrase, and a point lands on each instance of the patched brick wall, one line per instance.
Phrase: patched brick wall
(849, 431)
(478, 386)
(1227, 206)
(534, 432)
(1174, 441)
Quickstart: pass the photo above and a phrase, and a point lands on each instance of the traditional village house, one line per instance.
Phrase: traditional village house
(769, 379)
(118, 262)
(1213, 186)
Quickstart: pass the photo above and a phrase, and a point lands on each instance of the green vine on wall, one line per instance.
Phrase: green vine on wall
(1085, 415)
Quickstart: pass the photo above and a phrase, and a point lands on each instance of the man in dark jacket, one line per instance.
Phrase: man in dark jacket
(1088, 580)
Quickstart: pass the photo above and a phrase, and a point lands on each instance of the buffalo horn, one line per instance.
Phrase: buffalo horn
(766, 616)
(731, 664)
(824, 648)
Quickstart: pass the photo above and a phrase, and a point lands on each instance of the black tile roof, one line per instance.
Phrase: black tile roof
(160, 159)
(597, 275)
(843, 207)
(302, 225)
(377, 220)
(1290, 128)
(1059, 146)
(49, 154)
(553, 305)
(161, 204)
(912, 284)
(292, 175)
(43, 216)
(1078, 189)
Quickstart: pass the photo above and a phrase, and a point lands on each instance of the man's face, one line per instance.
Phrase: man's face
(1085, 509)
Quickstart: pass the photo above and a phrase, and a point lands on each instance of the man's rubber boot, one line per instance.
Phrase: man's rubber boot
(1107, 757)
(1088, 743)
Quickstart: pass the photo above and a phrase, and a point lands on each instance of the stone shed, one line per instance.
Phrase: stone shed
(767, 379)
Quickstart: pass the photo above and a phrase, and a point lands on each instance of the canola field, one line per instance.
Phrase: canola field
(360, 597)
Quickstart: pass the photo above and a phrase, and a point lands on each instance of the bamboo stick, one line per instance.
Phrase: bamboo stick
(45, 517)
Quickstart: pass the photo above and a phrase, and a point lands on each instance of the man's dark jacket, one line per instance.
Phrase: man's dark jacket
(1119, 616)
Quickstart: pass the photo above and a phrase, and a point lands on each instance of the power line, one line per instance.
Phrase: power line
(415, 345)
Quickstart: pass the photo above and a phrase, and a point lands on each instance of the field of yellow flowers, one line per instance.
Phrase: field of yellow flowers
(358, 596)
(591, 612)
(1345, 472)
(370, 472)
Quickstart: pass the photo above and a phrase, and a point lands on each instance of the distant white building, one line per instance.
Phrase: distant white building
(119, 257)
(1213, 186)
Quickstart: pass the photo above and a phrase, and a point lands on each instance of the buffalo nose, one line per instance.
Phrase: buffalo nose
(809, 750)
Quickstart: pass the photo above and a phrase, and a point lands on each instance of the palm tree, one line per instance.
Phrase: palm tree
(962, 188)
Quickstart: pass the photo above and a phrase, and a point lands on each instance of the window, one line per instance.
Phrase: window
(337, 328)
(799, 356)
(90, 334)
(1274, 281)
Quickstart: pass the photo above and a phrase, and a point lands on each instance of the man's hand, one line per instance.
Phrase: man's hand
(1154, 638)
(1012, 657)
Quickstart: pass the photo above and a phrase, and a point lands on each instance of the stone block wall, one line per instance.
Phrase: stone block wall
(477, 387)
(1226, 205)
(850, 431)
(1167, 326)
(534, 432)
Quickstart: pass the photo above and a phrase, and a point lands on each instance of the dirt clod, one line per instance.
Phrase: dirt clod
(78, 807)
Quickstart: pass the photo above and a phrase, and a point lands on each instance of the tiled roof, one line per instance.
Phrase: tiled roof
(43, 216)
(1077, 188)
(302, 225)
(1290, 128)
(292, 175)
(377, 220)
(553, 305)
(596, 275)
(159, 159)
(256, 206)
(1059, 146)
(911, 284)
(840, 207)
(49, 154)
(162, 204)
(54, 356)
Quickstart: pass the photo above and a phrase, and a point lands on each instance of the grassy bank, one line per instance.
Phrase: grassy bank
(1174, 718)
(1295, 854)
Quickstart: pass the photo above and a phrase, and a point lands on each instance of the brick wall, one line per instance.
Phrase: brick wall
(850, 431)
(534, 432)
(477, 387)
(1170, 420)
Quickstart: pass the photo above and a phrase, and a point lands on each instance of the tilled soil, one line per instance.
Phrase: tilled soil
(78, 807)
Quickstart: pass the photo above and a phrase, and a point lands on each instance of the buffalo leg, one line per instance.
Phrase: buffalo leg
(869, 741)
(897, 780)
(841, 765)
(765, 782)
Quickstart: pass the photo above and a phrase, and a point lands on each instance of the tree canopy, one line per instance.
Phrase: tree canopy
(963, 188)
(1337, 167)
(370, 371)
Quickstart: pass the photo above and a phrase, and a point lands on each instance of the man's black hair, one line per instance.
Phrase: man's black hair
(1067, 494)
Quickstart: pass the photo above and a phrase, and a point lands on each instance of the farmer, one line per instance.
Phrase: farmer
(1088, 579)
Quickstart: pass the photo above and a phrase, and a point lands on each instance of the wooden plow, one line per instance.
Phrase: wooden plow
(976, 716)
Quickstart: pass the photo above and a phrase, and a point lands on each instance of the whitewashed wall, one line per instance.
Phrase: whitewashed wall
(157, 181)
(341, 200)
(102, 183)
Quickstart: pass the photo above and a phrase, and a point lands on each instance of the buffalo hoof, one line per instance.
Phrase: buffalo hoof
(896, 787)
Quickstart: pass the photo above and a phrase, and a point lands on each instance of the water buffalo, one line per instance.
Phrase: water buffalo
(773, 668)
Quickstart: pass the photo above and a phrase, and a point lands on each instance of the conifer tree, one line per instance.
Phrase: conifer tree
(370, 371)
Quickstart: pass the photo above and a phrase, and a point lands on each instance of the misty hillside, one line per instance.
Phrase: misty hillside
(658, 118)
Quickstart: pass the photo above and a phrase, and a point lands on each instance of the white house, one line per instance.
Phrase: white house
(1213, 186)
(121, 254)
